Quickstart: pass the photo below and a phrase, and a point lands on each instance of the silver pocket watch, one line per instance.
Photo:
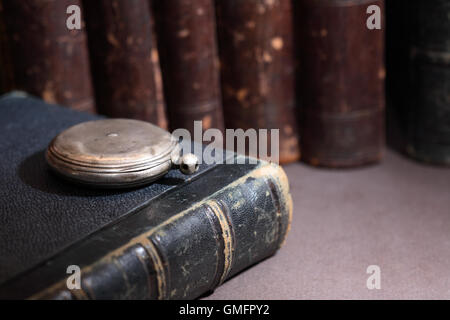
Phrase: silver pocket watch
(117, 153)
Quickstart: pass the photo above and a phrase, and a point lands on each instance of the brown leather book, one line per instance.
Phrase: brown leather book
(187, 43)
(161, 111)
(257, 68)
(341, 82)
(121, 46)
(44, 57)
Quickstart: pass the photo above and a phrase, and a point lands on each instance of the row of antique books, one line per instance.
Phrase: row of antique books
(316, 70)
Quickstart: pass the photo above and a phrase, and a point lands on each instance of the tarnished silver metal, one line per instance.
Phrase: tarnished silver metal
(188, 163)
(116, 153)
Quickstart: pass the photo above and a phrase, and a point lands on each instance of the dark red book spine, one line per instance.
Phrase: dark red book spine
(342, 83)
(187, 41)
(47, 59)
(121, 45)
(5, 63)
(258, 70)
(161, 113)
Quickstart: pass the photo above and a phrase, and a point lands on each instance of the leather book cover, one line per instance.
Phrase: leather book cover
(186, 32)
(44, 57)
(161, 110)
(418, 78)
(177, 238)
(5, 63)
(258, 69)
(341, 72)
(123, 59)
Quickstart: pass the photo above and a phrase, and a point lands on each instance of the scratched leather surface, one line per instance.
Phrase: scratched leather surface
(40, 214)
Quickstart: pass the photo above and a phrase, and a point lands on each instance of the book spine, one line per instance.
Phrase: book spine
(5, 63)
(258, 70)
(342, 82)
(187, 43)
(397, 71)
(419, 75)
(161, 113)
(197, 249)
(121, 44)
(48, 59)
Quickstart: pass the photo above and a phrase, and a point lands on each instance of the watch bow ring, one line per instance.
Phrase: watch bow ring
(117, 153)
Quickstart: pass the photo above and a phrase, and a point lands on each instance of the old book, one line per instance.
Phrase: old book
(341, 82)
(122, 46)
(418, 78)
(396, 68)
(5, 63)
(187, 43)
(46, 58)
(257, 69)
(161, 111)
(174, 239)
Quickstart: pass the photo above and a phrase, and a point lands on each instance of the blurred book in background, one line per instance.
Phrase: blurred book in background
(3, 64)
(418, 58)
(257, 69)
(158, 60)
(341, 83)
(161, 111)
(121, 44)
(42, 56)
(188, 52)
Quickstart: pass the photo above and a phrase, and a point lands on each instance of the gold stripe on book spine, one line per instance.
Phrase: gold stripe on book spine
(263, 171)
(158, 265)
(227, 236)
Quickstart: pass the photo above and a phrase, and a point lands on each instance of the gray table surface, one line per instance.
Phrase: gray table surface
(395, 215)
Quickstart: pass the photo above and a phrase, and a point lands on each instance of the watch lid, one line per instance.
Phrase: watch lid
(113, 152)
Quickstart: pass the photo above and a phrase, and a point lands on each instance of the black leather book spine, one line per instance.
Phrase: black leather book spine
(418, 74)
(179, 246)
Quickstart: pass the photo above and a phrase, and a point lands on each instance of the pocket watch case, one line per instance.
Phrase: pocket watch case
(116, 153)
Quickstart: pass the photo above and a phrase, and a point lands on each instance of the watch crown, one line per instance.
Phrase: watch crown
(188, 163)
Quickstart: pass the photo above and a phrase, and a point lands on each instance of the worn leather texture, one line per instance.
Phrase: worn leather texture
(176, 238)
(341, 83)
(188, 51)
(257, 69)
(42, 57)
(122, 69)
